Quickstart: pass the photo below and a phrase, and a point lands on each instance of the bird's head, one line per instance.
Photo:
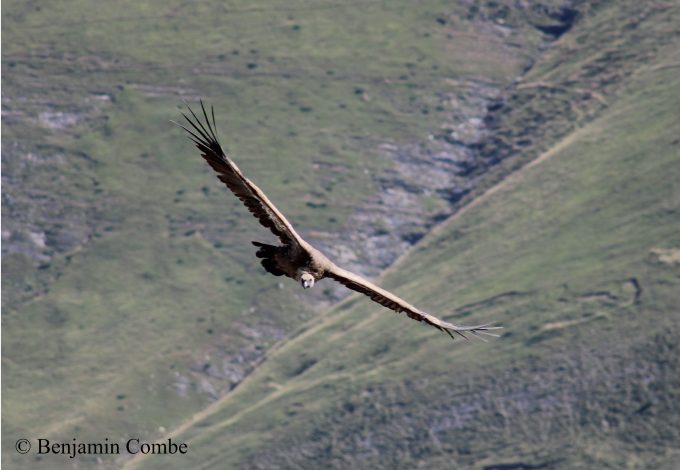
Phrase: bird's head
(307, 280)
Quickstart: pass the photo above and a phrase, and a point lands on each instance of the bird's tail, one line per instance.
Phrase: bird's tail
(267, 253)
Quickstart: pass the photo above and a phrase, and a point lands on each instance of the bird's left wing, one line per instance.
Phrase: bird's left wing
(391, 301)
(252, 197)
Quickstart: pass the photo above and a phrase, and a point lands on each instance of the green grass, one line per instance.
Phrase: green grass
(147, 290)
(570, 233)
(147, 299)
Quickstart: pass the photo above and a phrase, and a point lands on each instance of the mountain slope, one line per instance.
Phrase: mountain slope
(569, 256)
(127, 281)
(131, 302)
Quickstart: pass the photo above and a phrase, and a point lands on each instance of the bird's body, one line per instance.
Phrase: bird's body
(290, 261)
(295, 257)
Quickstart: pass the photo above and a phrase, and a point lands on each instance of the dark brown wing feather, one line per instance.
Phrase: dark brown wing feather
(254, 199)
(391, 301)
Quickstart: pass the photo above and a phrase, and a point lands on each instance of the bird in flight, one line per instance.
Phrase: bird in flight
(294, 257)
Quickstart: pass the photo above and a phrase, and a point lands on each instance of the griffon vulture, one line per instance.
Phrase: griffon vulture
(295, 258)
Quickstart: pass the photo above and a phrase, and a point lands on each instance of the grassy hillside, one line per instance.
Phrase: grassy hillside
(132, 304)
(569, 256)
(131, 298)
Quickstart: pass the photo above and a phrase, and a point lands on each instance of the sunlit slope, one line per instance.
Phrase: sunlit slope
(576, 256)
(131, 298)
(150, 305)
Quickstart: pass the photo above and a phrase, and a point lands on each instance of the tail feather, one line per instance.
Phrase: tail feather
(267, 253)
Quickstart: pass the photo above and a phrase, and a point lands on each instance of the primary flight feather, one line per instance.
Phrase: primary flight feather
(295, 257)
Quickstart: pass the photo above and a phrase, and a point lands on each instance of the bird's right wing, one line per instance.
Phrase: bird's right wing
(254, 199)
(391, 301)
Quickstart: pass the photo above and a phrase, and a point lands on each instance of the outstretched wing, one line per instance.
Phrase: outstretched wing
(254, 199)
(391, 301)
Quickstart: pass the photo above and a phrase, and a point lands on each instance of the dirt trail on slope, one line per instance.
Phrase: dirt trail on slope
(514, 177)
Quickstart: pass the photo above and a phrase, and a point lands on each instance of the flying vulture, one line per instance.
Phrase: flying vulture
(294, 257)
